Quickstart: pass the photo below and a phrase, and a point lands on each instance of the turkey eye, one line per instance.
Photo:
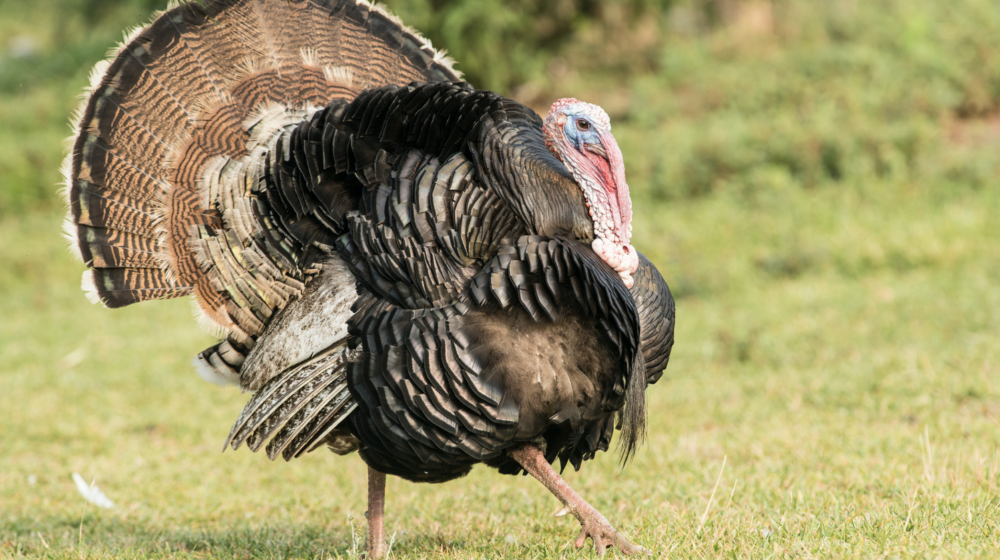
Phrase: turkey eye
(582, 125)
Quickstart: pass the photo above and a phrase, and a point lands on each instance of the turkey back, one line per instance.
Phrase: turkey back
(194, 88)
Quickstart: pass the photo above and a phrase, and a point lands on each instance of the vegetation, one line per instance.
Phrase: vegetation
(816, 181)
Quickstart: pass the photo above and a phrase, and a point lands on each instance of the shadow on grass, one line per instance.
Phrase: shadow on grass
(100, 536)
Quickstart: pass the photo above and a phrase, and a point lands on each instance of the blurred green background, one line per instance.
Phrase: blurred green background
(817, 181)
(728, 96)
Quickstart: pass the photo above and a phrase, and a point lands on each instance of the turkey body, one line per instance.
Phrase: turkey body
(545, 385)
(473, 332)
(396, 263)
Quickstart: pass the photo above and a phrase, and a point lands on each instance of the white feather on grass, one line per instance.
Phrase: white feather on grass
(92, 493)
(74, 358)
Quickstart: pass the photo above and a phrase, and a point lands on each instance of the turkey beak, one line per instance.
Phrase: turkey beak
(595, 148)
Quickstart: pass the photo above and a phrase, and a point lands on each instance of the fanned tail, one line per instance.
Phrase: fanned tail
(182, 94)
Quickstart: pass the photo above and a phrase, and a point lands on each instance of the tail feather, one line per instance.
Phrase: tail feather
(104, 208)
(111, 248)
(182, 94)
(143, 284)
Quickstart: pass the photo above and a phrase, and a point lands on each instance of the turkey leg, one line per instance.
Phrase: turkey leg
(375, 542)
(594, 525)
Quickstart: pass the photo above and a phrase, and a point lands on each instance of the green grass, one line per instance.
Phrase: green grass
(853, 400)
(832, 242)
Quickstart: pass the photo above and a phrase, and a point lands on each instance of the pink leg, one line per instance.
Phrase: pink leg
(376, 515)
(594, 525)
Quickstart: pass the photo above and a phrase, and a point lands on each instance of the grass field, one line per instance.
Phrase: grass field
(832, 393)
(854, 405)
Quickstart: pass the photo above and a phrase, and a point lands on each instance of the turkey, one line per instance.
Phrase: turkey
(394, 262)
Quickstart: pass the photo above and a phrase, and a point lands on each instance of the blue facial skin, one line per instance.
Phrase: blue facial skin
(580, 131)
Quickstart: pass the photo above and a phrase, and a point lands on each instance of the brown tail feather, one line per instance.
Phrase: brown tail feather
(111, 248)
(175, 97)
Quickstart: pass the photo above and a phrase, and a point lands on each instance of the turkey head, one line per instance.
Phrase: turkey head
(579, 134)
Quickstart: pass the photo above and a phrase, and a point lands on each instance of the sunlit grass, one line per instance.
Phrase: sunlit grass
(853, 399)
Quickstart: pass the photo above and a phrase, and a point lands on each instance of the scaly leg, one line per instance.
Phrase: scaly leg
(594, 525)
(375, 543)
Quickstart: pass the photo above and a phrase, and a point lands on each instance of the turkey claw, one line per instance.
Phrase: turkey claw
(604, 536)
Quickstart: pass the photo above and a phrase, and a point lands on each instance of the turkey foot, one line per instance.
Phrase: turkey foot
(375, 543)
(594, 525)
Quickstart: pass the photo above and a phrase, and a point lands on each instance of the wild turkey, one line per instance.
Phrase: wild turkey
(395, 262)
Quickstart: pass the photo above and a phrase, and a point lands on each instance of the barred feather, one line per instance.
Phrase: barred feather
(175, 97)
(297, 410)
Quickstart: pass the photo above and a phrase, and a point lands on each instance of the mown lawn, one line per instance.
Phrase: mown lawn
(836, 351)
(821, 194)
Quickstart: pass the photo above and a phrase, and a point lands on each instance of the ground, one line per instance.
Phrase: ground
(848, 408)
